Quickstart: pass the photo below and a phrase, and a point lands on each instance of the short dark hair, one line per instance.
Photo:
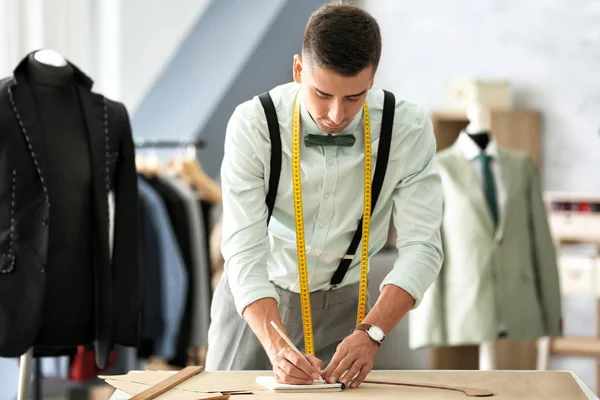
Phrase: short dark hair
(343, 38)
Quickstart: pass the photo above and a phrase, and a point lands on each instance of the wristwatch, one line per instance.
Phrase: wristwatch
(374, 332)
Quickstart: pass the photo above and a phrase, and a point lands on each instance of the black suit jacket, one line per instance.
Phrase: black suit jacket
(24, 211)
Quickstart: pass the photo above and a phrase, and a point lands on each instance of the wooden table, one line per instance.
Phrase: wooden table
(507, 385)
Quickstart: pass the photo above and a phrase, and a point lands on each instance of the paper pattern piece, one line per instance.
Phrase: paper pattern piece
(132, 388)
(205, 382)
(268, 382)
(506, 385)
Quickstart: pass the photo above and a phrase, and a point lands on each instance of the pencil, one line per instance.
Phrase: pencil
(289, 342)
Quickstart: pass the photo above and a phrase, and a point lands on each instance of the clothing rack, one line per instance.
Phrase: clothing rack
(169, 143)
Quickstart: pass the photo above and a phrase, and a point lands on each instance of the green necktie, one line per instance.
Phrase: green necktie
(489, 187)
(346, 140)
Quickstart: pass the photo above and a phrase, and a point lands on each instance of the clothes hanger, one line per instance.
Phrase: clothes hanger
(153, 164)
(188, 168)
(206, 187)
(148, 165)
(140, 164)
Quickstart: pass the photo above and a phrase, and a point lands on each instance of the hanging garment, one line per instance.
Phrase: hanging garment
(152, 321)
(83, 367)
(47, 298)
(493, 281)
(212, 214)
(200, 312)
(173, 278)
(179, 217)
(217, 261)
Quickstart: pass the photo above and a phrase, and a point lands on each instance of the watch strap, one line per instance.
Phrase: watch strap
(363, 327)
(366, 327)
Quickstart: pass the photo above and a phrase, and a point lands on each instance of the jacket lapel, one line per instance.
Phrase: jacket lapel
(25, 111)
(509, 175)
(463, 175)
(94, 115)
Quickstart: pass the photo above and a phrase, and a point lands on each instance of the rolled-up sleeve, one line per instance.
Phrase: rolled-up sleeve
(417, 212)
(245, 243)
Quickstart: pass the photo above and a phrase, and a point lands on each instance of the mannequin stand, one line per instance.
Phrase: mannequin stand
(25, 376)
(487, 357)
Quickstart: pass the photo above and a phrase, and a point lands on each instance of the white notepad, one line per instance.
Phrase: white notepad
(268, 382)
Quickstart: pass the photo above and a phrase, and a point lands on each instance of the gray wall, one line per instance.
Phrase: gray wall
(269, 65)
(201, 72)
(548, 49)
(151, 32)
(237, 49)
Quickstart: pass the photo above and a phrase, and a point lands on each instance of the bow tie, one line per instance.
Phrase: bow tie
(346, 140)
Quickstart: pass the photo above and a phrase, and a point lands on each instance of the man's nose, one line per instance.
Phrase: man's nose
(336, 112)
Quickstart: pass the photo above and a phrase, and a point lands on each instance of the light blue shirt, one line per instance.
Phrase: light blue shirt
(257, 257)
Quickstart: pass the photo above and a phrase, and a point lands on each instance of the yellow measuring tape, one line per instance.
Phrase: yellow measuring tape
(309, 345)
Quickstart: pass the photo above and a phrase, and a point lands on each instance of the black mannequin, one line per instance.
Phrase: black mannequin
(70, 261)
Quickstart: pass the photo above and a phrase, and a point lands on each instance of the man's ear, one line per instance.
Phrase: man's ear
(297, 69)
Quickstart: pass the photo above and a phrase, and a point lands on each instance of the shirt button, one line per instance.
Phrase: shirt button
(330, 161)
(326, 195)
(322, 225)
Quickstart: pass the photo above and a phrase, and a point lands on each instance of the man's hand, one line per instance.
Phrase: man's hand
(356, 353)
(355, 357)
(289, 367)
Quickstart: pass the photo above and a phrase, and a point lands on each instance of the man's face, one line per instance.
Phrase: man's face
(331, 99)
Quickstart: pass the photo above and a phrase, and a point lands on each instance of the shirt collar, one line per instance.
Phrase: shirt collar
(309, 125)
(471, 150)
(20, 72)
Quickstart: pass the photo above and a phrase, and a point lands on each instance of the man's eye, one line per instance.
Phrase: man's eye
(321, 95)
(353, 99)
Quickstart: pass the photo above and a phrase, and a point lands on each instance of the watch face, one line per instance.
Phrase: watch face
(376, 333)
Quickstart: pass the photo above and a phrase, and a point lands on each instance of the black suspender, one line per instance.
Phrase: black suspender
(275, 136)
(385, 138)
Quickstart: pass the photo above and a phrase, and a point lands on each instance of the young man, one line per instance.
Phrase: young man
(332, 82)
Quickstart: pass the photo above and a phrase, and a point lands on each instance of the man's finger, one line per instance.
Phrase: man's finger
(300, 363)
(315, 362)
(292, 370)
(283, 377)
(352, 372)
(339, 355)
(361, 376)
(276, 375)
(342, 367)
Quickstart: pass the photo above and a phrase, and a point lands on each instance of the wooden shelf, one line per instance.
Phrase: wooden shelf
(571, 196)
(577, 238)
(574, 227)
(513, 129)
(450, 116)
(576, 346)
